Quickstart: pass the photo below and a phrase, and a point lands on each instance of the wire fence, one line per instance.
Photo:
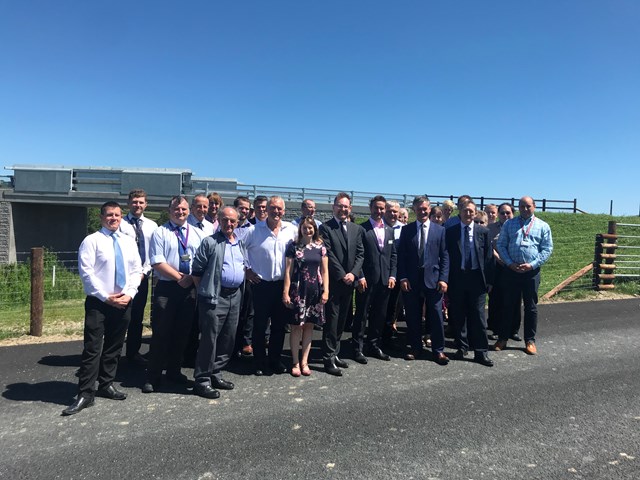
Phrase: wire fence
(64, 296)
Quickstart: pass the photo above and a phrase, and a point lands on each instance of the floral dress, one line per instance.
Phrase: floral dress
(306, 283)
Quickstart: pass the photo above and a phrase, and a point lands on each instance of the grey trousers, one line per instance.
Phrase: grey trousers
(218, 325)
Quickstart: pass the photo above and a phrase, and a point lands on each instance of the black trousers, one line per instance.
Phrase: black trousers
(245, 323)
(336, 311)
(496, 304)
(134, 332)
(371, 308)
(467, 297)
(267, 304)
(174, 309)
(521, 286)
(104, 330)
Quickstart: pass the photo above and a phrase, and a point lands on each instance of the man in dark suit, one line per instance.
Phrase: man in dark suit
(470, 277)
(423, 270)
(376, 283)
(343, 240)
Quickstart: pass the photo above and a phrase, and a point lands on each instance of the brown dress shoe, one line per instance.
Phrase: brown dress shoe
(441, 359)
(500, 345)
(531, 348)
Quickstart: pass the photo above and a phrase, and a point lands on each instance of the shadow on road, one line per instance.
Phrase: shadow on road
(49, 392)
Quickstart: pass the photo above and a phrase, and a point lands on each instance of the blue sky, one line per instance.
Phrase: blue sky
(493, 98)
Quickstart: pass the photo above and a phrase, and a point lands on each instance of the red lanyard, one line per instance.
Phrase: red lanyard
(526, 234)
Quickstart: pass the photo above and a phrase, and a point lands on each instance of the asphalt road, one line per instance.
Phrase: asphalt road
(571, 412)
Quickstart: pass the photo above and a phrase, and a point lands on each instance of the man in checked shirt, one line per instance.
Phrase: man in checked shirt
(524, 245)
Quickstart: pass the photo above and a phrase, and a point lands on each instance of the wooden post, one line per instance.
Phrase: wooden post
(544, 204)
(610, 249)
(597, 258)
(37, 291)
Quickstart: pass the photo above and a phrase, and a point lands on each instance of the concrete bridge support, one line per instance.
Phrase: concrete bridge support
(58, 228)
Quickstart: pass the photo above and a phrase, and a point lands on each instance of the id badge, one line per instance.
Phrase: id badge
(185, 258)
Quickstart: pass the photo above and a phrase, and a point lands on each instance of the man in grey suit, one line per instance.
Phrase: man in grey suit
(423, 270)
(218, 273)
(470, 277)
(376, 283)
(343, 240)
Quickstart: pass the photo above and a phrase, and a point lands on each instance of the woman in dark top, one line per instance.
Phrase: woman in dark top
(306, 290)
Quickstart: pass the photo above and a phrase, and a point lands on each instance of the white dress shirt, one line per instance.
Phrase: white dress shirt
(207, 227)
(148, 226)
(97, 265)
(265, 250)
(165, 246)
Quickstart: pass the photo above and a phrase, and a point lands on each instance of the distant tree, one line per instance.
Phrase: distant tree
(93, 220)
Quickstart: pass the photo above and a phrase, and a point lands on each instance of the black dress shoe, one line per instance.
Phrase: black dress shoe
(331, 369)
(111, 392)
(148, 388)
(516, 337)
(341, 363)
(379, 354)
(137, 359)
(360, 358)
(483, 359)
(409, 356)
(441, 359)
(278, 368)
(460, 354)
(493, 336)
(222, 384)
(80, 404)
(206, 391)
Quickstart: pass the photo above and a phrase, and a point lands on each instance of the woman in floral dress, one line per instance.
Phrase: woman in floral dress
(306, 290)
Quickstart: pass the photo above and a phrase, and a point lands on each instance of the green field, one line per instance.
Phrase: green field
(573, 235)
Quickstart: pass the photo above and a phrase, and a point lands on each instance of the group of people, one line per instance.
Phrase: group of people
(234, 279)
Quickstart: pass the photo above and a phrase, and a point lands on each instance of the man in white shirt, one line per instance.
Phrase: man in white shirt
(140, 228)
(265, 245)
(308, 209)
(199, 209)
(173, 246)
(245, 324)
(110, 269)
(395, 307)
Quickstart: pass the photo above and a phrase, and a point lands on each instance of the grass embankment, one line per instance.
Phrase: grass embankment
(574, 241)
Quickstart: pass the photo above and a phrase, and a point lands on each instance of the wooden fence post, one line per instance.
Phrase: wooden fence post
(37, 291)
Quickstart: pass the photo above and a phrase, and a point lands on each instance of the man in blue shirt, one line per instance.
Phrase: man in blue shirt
(218, 273)
(524, 245)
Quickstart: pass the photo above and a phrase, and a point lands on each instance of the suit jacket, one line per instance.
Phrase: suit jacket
(435, 255)
(482, 247)
(343, 258)
(378, 265)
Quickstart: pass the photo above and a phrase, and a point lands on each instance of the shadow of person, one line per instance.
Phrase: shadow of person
(57, 392)
(61, 360)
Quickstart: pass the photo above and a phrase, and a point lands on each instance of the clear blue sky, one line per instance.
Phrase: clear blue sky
(494, 98)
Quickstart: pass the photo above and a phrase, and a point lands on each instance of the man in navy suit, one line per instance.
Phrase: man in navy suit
(423, 270)
(376, 283)
(470, 277)
(343, 240)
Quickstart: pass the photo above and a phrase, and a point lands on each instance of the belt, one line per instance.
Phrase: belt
(226, 291)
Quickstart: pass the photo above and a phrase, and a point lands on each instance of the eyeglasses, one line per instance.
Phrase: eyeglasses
(505, 213)
(479, 222)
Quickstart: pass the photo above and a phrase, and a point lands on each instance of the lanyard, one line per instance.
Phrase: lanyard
(184, 241)
(526, 234)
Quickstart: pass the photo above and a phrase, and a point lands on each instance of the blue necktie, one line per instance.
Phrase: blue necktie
(139, 239)
(121, 276)
(467, 249)
(184, 266)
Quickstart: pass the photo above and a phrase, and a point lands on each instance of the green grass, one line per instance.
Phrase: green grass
(574, 242)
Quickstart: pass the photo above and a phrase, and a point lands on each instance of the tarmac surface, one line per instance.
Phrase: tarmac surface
(573, 412)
